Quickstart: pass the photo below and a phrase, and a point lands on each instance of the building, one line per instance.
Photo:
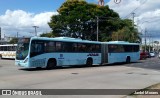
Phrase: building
(2, 42)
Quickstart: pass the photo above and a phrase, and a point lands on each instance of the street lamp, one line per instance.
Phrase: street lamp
(35, 29)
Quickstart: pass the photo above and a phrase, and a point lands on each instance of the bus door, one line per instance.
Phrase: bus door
(104, 53)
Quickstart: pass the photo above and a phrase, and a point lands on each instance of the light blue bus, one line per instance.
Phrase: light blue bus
(47, 53)
(61, 51)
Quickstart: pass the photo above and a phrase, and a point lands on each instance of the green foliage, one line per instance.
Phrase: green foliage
(148, 48)
(13, 41)
(127, 33)
(47, 35)
(77, 18)
(156, 42)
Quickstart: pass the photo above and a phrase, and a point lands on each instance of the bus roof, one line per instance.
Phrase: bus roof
(65, 39)
(9, 45)
(120, 42)
(69, 39)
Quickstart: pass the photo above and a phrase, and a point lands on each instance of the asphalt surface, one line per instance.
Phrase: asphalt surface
(136, 75)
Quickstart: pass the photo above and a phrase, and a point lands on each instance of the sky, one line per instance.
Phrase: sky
(20, 15)
(147, 16)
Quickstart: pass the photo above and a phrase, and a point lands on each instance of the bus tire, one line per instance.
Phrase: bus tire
(128, 60)
(51, 64)
(0, 57)
(89, 62)
(38, 68)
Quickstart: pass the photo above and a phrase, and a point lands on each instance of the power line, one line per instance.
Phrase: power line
(136, 8)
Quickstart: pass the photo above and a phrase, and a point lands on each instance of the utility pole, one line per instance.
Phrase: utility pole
(145, 40)
(4, 36)
(97, 27)
(35, 29)
(17, 34)
(133, 15)
(149, 38)
(0, 33)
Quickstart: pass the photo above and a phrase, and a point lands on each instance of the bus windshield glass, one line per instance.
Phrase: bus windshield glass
(22, 48)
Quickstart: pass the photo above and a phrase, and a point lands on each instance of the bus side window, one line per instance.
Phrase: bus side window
(128, 48)
(80, 47)
(136, 48)
(37, 48)
(97, 48)
(5, 48)
(89, 48)
(120, 48)
(14, 48)
(111, 48)
(49, 46)
(58, 46)
(9, 48)
(74, 47)
(1, 48)
(32, 53)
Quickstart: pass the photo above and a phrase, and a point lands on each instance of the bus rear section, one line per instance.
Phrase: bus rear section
(120, 51)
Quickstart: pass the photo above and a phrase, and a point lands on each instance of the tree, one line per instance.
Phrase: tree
(14, 41)
(77, 18)
(127, 33)
(50, 34)
(156, 42)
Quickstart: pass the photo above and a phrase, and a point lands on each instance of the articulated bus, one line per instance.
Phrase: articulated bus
(47, 53)
(8, 51)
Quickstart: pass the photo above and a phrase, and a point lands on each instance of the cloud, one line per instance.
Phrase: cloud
(147, 14)
(20, 21)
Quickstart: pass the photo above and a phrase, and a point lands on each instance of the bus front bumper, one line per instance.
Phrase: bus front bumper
(21, 64)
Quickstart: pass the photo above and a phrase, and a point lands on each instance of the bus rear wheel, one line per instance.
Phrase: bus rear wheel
(89, 62)
(51, 64)
(128, 60)
(0, 57)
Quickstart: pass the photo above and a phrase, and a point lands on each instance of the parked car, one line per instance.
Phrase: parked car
(152, 54)
(143, 55)
(159, 55)
(148, 55)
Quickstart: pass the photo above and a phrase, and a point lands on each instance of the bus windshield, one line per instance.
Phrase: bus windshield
(22, 48)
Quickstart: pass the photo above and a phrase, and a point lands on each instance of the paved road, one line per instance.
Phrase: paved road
(118, 76)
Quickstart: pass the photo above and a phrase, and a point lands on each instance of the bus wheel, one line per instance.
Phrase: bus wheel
(0, 57)
(128, 60)
(89, 62)
(51, 64)
(38, 68)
